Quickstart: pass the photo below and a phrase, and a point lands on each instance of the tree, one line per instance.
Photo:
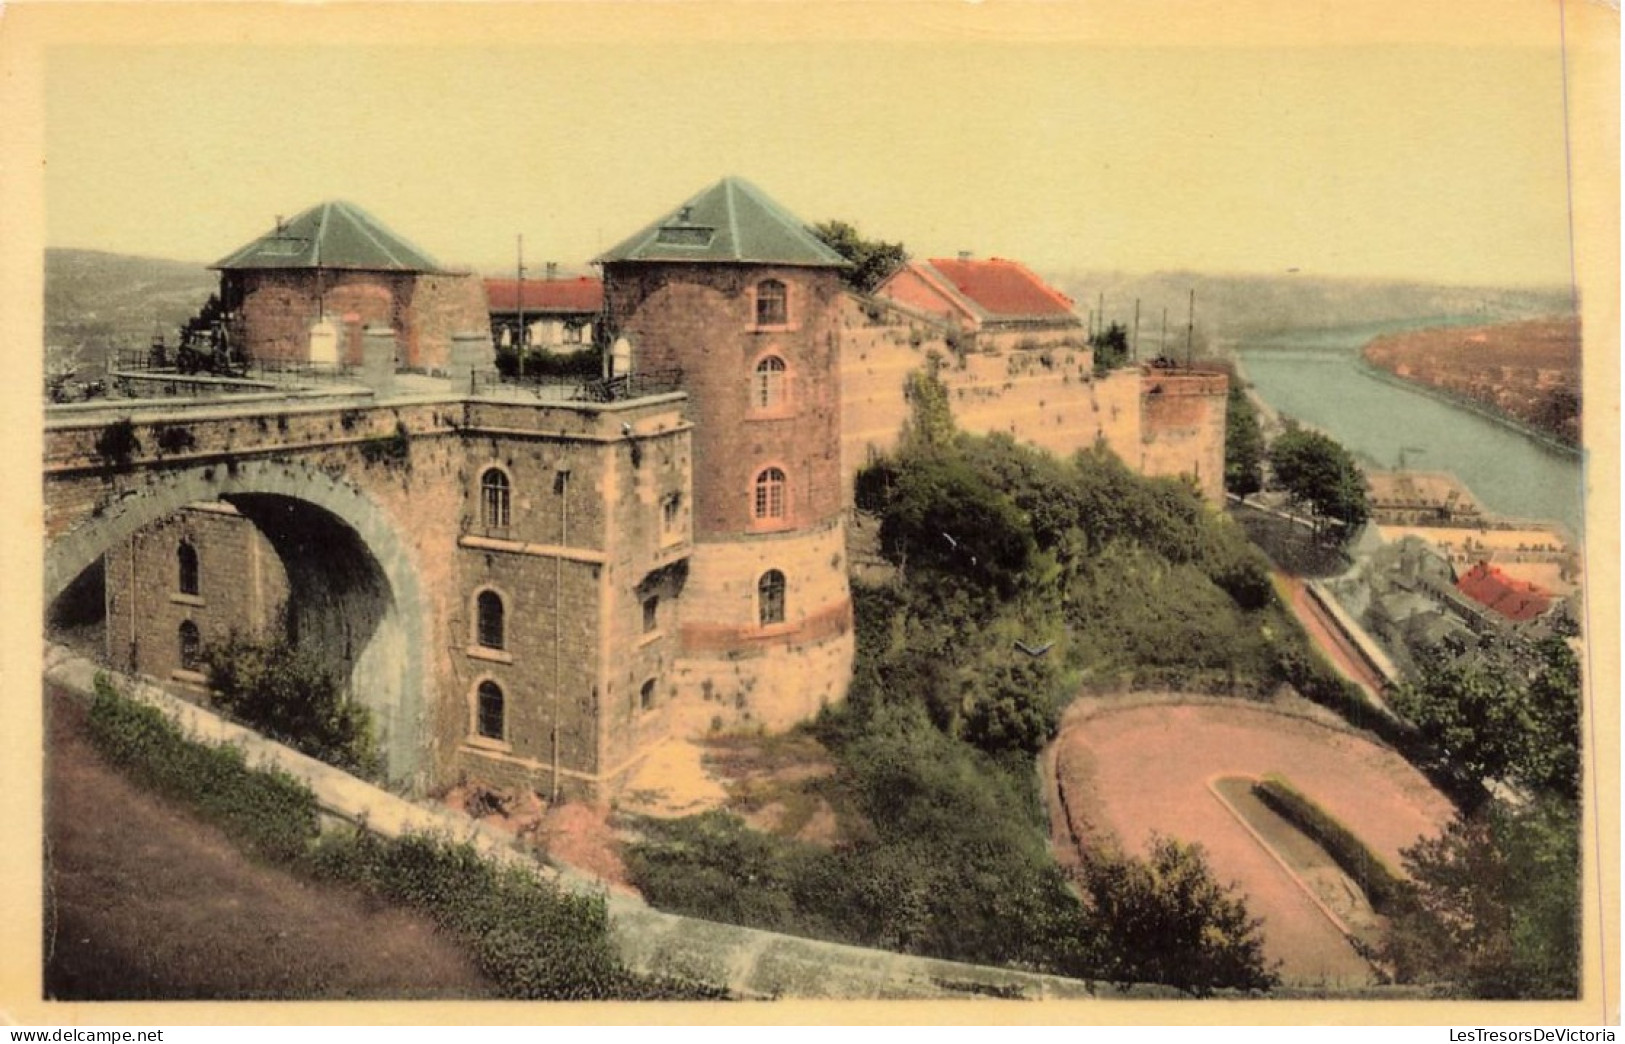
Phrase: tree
(1315, 470)
(1110, 347)
(1493, 910)
(872, 260)
(1165, 919)
(943, 516)
(1512, 715)
(1243, 444)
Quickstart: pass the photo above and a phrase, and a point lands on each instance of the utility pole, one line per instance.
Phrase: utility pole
(519, 303)
(1190, 328)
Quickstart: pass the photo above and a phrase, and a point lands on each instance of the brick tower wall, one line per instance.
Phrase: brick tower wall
(277, 307)
(444, 305)
(702, 319)
(1182, 430)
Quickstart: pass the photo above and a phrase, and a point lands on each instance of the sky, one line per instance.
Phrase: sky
(1342, 142)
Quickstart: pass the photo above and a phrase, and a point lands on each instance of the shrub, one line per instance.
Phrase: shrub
(117, 444)
(535, 940)
(268, 812)
(174, 438)
(1380, 884)
(1494, 910)
(532, 938)
(286, 693)
(392, 451)
(1165, 919)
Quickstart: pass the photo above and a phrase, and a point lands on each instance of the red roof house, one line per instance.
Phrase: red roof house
(556, 311)
(1517, 600)
(582, 296)
(994, 297)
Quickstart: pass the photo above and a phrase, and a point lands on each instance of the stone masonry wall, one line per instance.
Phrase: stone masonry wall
(1045, 397)
(1182, 433)
(742, 670)
(587, 543)
(241, 585)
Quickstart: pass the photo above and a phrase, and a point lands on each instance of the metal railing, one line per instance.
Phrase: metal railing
(150, 362)
(576, 388)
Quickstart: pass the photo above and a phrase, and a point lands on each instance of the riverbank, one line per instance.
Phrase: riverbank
(1462, 402)
(1526, 372)
(1321, 381)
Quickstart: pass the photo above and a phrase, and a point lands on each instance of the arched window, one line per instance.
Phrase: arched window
(772, 303)
(770, 597)
(494, 499)
(186, 562)
(768, 386)
(491, 631)
(770, 494)
(646, 695)
(191, 645)
(490, 716)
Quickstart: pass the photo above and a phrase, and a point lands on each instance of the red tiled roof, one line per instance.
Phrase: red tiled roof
(1003, 288)
(1517, 600)
(582, 294)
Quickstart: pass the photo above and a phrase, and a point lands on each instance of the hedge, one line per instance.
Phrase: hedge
(532, 938)
(268, 812)
(1380, 884)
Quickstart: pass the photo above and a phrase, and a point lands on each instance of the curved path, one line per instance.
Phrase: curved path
(1141, 768)
(1329, 637)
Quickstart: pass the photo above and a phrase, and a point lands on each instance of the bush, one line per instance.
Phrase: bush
(536, 941)
(269, 813)
(1380, 884)
(391, 451)
(1166, 920)
(537, 363)
(952, 867)
(117, 444)
(287, 694)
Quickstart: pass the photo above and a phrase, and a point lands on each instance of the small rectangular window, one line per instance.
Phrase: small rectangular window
(772, 303)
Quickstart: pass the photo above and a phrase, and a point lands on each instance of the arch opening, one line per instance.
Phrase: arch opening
(329, 572)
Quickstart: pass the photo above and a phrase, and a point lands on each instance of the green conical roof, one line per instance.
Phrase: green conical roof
(335, 234)
(733, 221)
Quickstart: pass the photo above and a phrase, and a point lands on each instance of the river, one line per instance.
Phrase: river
(1317, 377)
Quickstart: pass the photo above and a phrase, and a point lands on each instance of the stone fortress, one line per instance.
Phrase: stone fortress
(528, 586)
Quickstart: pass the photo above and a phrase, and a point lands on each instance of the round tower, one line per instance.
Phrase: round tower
(733, 290)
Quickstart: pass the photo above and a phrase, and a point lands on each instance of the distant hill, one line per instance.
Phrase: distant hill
(1231, 307)
(96, 301)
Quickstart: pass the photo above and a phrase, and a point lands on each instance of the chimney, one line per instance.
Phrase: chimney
(552, 270)
(966, 255)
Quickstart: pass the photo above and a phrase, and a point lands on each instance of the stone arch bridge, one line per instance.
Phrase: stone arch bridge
(370, 507)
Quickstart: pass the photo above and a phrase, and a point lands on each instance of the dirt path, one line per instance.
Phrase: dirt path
(1330, 638)
(1135, 770)
(150, 903)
